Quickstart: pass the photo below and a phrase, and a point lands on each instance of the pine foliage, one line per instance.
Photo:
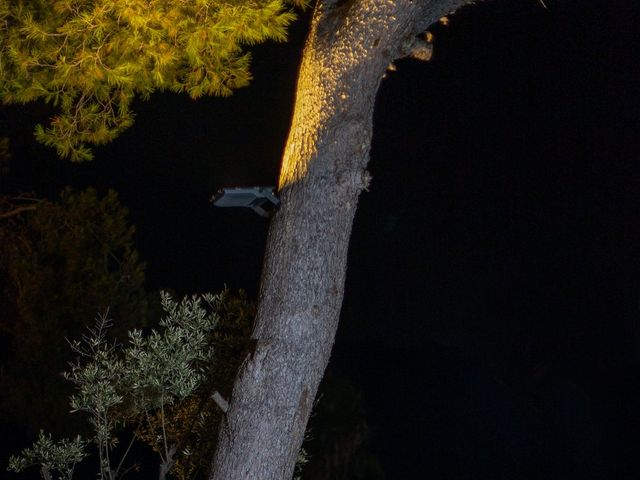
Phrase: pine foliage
(91, 58)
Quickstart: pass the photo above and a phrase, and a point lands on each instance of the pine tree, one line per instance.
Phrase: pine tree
(91, 58)
(350, 46)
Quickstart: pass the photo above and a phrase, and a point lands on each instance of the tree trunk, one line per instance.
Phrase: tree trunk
(350, 45)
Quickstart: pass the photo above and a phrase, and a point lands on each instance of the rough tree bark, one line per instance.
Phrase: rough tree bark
(350, 45)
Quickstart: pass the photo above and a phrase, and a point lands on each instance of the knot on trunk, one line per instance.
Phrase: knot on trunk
(418, 48)
(357, 180)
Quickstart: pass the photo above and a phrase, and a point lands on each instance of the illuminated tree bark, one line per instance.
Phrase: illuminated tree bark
(349, 48)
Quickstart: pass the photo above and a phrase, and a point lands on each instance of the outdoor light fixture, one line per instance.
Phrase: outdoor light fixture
(261, 200)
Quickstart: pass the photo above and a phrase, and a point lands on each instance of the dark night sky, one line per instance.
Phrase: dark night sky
(491, 314)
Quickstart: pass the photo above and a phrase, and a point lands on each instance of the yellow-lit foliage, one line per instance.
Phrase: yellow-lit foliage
(90, 58)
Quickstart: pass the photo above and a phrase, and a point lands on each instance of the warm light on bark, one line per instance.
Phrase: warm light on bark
(349, 47)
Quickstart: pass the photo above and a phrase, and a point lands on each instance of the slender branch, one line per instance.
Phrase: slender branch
(164, 433)
(128, 469)
(133, 438)
(28, 197)
(166, 465)
(46, 474)
(17, 211)
(106, 450)
(168, 461)
(101, 458)
(220, 401)
(31, 203)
